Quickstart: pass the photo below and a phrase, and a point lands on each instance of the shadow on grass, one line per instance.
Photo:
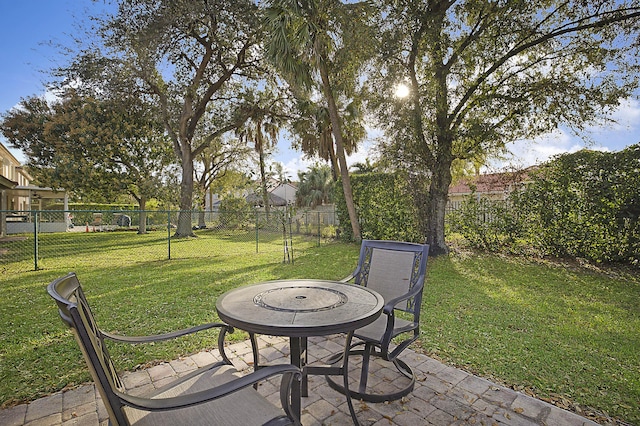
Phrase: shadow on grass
(39, 356)
(118, 247)
(557, 332)
(551, 330)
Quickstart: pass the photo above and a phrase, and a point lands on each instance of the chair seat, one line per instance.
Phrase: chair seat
(374, 332)
(243, 408)
(397, 271)
(216, 383)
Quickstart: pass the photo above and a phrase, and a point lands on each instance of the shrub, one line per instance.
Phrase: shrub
(235, 213)
(580, 205)
(488, 225)
(385, 208)
(586, 205)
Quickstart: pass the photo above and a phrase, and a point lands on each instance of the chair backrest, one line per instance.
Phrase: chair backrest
(76, 313)
(393, 268)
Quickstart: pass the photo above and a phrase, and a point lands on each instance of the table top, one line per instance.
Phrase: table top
(299, 308)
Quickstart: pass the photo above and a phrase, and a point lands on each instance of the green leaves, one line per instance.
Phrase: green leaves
(384, 206)
(582, 205)
(315, 187)
(485, 73)
(99, 148)
(587, 204)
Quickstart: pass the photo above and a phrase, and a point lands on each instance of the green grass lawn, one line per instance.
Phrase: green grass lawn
(566, 334)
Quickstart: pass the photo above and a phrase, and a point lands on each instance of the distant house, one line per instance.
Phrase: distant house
(257, 200)
(18, 197)
(211, 201)
(280, 194)
(286, 191)
(12, 175)
(494, 186)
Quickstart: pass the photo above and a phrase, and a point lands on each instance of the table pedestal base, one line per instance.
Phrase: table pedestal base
(298, 348)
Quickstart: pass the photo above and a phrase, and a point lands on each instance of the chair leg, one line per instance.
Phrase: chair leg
(361, 394)
(403, 368)
(256, 352)
(364, 373)
(256, 355)
(221, 347)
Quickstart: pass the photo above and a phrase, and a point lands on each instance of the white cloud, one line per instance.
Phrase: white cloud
(296, 164)
(626, 117)
(364, 152)
(527, 153)
(629, 112)
(603, 137)
(294, 161)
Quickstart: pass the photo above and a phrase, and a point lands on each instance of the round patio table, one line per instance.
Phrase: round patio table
(299, 309)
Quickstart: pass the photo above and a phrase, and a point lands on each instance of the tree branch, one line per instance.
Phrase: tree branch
(563, 30)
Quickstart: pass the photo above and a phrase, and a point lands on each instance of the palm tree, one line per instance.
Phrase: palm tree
(365, 167)
(280, 173)
(314, 131)
(299, 40)
(262, 131)
(315, 188)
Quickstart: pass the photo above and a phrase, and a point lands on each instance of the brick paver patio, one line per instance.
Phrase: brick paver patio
(443, 395)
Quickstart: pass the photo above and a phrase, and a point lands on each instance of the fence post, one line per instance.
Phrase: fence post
(169, 234)
(35, 239)
(290, 218)
(319, 230)
(257, 229)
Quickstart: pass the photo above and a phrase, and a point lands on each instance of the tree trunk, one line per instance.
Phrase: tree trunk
(201, 214)
(441, 155)
(186, 194)
(142, 223)
(337, 134)
(436, 208)
(334, 164)
(265, 194)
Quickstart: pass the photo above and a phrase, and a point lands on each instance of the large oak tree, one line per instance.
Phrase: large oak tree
(196, 60)
(483, 73)
(96, 149)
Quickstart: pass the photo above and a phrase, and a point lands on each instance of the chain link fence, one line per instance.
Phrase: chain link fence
(32, 240)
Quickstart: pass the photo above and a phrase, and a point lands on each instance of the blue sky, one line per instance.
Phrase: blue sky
(29, 30)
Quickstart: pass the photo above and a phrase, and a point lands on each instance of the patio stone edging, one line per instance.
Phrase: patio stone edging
(443, 395)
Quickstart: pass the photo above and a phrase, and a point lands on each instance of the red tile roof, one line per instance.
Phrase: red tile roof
(489, 183)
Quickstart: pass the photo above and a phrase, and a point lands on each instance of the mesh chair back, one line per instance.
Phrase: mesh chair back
(76, 313)
(392, 269)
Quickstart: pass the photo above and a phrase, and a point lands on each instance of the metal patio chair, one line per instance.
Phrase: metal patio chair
(211, 395)
(397, 271)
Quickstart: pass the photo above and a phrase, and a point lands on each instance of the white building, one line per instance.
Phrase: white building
(18, 197)
(286, 191)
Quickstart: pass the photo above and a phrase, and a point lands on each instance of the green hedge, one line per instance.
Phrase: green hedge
(587, 205)
(489, 225)
(94, 206)
(385, 208)
(236, 213)
(580, 205)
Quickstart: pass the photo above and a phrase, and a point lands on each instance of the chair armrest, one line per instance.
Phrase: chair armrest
(347, 279)
(289, 372)
(166, 336)
(224, 329)
(390, 304)
(353, 275)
